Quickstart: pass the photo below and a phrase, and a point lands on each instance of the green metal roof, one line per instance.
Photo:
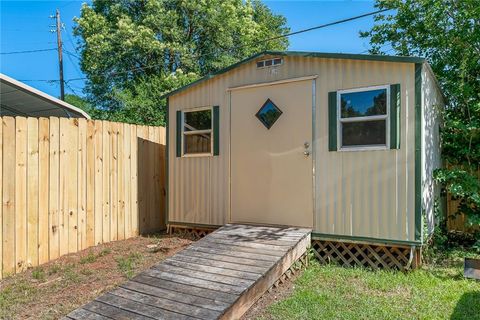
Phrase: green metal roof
(370, 57)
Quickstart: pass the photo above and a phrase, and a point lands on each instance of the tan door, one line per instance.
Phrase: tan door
(271, 177)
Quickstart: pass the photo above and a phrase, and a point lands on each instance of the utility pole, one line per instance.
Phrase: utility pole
(60, 55)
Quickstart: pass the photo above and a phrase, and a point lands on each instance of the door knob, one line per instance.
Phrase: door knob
(306, 153)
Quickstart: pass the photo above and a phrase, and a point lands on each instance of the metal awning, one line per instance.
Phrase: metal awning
(19, 99)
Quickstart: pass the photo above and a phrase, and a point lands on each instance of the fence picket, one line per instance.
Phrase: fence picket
(54, 189)
(120, 183)
(90, 183)
(113, 182)
(127, 177)
(98, 182)
(8, 196)
(44, 194)
(134, 179)
(106, 181)
(82, 184)
(32, 192)
(21, 193)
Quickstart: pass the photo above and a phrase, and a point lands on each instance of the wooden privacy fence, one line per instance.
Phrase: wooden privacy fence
(457, 222)
(68, 184)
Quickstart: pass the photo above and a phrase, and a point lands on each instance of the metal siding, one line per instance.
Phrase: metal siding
(365, 193)
(432, 102)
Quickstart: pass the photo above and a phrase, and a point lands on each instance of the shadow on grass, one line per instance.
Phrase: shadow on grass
(468, 307)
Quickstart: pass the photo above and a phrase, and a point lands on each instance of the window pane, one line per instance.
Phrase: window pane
(260, 64)
(197, 143)
(198, 120)
(364, 133)
(277, 61)
(363, 104)
(268, 113)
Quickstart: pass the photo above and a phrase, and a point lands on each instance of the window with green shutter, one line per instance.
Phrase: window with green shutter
(364, 118)
(198, 132)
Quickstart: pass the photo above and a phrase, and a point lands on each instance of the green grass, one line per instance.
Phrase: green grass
(89, 258)
(331, 292)
(104, 252)
(128, 264)
(21, 292)
(38, 274)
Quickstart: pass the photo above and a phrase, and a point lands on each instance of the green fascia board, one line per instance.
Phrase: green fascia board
(306, 54)
(418, 152)
(339, 238)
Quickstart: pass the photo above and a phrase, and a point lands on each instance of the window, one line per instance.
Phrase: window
(268, 113)
(197, 132)
(269, 62)
(363, 118)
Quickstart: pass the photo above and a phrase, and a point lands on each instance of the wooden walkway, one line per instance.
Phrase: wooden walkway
(217, 277)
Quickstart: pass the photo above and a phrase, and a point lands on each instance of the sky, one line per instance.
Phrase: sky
(26, 25)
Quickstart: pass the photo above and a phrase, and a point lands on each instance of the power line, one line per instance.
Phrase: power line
(68, 86)
(323, 26)
(28, 51)
(71, 54)
(115, 74)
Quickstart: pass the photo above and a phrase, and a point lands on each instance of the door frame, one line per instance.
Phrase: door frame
(313, 79)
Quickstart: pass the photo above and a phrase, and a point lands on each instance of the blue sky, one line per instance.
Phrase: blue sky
(25, 25)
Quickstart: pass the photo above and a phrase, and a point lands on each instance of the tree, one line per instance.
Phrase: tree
(135, 51)
(447, 33)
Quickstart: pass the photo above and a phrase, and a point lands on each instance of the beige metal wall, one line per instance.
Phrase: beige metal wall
(367, 194)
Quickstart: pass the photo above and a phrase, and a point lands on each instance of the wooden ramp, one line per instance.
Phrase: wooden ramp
(217, 277)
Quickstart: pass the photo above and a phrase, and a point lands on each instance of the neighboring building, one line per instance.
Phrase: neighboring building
(19, 99)
(343, 143)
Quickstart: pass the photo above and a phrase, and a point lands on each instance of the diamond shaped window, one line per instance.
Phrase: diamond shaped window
(268, 113)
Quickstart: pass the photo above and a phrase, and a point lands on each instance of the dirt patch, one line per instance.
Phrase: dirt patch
(54, 289)
(258, 310)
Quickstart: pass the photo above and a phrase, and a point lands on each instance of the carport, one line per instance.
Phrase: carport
(19, 99)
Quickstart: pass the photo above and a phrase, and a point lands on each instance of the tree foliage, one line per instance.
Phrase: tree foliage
(133, 52)
(447, 33)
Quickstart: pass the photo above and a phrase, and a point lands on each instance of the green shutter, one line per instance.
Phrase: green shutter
(395, 105)
(179, 133)
(332, 121)
(216, 130)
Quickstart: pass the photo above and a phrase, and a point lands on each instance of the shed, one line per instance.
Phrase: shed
(19, 99)
(345, 144)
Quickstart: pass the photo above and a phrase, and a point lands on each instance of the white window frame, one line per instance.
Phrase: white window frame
(341, 120)
(186, 133)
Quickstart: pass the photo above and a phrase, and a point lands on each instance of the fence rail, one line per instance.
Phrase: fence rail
(68, 184)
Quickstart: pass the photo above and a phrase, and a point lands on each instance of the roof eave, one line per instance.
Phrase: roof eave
(41, 95)
(368, 57)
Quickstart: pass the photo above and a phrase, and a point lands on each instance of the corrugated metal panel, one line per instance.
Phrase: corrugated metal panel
(367, 193)
(431, 160)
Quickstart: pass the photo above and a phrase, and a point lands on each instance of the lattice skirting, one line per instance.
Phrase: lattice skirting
(366, 255)
(294, 269)
(189, 231)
